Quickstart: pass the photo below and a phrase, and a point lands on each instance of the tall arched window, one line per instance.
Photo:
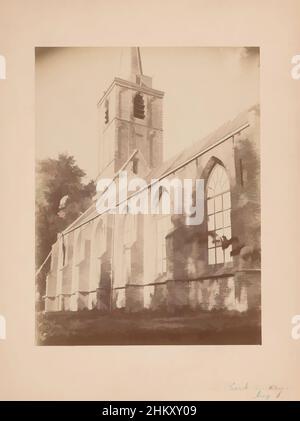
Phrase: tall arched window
(219, 219)
(63, 251)
(106, 112)
(138, 106)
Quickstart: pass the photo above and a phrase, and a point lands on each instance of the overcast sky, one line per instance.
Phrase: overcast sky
(204, 88)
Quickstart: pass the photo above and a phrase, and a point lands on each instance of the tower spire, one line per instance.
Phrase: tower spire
(136, 62)
(136, 72)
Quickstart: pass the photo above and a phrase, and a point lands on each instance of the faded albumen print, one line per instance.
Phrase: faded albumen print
(148, 196)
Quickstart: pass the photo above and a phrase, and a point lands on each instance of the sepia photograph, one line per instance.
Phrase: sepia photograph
(149, 176)
(147, 196)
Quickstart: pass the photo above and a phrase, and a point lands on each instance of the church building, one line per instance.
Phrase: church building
(158, 262)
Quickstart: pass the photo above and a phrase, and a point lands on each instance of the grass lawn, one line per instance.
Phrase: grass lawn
(149, 328)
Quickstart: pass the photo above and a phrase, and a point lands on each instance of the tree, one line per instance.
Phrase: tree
(57, 179)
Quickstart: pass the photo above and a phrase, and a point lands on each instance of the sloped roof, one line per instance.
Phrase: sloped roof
(202, 144)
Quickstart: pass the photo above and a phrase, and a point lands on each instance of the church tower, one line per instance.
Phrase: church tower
(130, 115)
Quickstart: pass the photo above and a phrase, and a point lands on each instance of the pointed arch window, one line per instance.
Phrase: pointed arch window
(135, 165)
(219, 215)
(138, 106)
(63, 251)
(106, 112)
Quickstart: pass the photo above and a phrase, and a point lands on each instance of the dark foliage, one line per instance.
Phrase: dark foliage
(55, 179)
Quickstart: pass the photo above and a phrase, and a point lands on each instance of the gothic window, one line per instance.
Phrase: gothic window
(106, 112)
(63, 248)
(135, 165)
(219, 218)
(138, 106)
(151, 151)
(241, 172)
